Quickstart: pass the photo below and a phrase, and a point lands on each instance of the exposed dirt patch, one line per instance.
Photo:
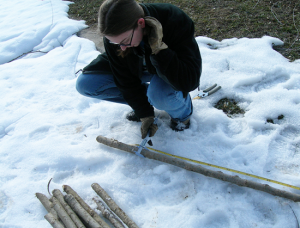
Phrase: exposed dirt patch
(273, 121)
(229, 107)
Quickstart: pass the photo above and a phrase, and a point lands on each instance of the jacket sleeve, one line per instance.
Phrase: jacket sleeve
(127, 80)
(180, 64)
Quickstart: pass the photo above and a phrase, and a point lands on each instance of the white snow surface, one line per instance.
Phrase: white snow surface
(48, 130)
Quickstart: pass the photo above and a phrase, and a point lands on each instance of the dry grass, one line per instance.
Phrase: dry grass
(220, 19)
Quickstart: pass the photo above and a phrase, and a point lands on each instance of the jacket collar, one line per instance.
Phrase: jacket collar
(146, 11)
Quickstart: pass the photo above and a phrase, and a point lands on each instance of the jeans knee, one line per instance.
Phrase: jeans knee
(160, 98)
(80, 85)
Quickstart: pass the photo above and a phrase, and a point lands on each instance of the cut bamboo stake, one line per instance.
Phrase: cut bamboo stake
(59, 196)
(113, 206)
(47, 204)
(199, 169)
(53, 221)
(65, 218)
(70, 199)
(108, 214)
(95, 216)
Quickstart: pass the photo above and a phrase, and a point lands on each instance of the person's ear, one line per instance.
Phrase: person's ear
(141, 22)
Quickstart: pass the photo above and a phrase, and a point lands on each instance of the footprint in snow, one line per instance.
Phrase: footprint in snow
(272, 79)
(290, 132)
(264, 81)
(39, 133)
(67, 166)
(216, 218)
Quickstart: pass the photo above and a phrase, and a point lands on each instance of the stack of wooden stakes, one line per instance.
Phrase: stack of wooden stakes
(70, 211)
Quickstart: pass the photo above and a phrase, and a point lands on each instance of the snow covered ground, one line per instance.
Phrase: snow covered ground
(48, 130)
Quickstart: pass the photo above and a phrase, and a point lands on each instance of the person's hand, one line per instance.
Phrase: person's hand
(156, 35)
(148, 124)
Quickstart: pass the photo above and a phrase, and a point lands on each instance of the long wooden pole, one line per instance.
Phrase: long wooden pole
(59, 196)
(47, 204)
(94, 215)
(77, 207)
(108, 214)
(199, 169)
(113, 206)
(61, 212)
(53, 221)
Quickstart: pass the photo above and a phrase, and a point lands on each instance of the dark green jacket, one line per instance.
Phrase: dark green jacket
(179, 65)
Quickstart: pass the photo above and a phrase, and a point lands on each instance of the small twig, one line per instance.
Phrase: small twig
(296, 29)
(256, 4)
(26, 54)
(78, 71)
(274, 14)
(49, 186)
(295, 216)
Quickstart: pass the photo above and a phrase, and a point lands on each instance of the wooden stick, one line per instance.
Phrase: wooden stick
(199, 169)
(63, 215)
(74, 204)
(59, 196)
(95, 216)
(53, 221)
(108, 214)
(113, 206)
(47, 204)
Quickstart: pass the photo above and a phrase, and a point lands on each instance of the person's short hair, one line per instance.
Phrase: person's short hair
(118, 16)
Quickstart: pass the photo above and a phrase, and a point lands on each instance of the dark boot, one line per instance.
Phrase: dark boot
(131, 116)
(180, 126)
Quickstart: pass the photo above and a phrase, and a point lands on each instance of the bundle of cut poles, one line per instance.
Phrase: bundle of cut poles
(70, 211)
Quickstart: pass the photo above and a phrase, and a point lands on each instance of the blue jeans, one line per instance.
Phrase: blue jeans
(160, 94)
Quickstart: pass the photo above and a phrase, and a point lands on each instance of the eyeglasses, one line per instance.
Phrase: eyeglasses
(125, 45)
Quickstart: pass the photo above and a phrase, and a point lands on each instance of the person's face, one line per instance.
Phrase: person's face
(130, 38)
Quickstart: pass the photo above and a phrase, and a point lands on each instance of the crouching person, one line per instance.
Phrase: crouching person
(151, 59)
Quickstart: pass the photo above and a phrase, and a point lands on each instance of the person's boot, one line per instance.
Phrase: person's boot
(180, 126)
(131, 116)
